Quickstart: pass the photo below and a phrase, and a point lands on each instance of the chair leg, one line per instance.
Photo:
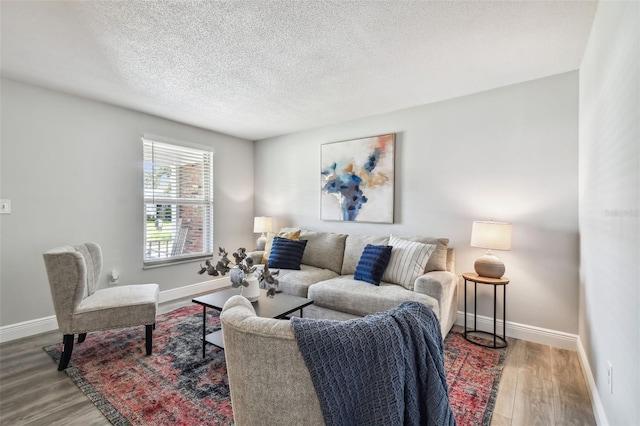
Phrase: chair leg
(149, 337)
(67, 348)
(81, 337)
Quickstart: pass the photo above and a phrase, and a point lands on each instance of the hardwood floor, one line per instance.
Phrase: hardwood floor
(34, 392)
(540, 385)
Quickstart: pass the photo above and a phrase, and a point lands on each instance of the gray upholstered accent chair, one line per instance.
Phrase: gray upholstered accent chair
(268, 379)
(74, 274)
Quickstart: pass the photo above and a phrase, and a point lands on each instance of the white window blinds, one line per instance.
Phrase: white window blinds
(178, 203)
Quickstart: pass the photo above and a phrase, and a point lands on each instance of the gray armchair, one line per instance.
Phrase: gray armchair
(268, 379)
(74, 273)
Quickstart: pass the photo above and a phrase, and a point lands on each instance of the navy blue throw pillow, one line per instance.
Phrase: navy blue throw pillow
(373, 262)
(286, 254)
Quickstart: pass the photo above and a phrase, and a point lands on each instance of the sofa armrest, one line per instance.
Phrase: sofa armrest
(256, 256)
(435, 283)
(442, 286)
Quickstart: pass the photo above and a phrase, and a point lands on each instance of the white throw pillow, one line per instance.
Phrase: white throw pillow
(408, 260)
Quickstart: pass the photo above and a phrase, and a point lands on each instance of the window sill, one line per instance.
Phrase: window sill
(176, 261)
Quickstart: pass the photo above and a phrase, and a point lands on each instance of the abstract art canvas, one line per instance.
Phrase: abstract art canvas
(358, 180)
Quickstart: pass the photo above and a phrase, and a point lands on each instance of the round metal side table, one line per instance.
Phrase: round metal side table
(498, 341)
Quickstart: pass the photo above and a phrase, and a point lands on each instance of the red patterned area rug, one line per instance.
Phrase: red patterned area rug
(176, 386)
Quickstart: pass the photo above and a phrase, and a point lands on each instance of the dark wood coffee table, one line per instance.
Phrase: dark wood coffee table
(278, 306)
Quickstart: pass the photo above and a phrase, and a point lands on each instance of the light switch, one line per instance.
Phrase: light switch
(5, 206)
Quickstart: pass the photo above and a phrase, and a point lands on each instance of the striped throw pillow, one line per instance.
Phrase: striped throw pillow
(408, 260)
(373, 262)
(286, 254)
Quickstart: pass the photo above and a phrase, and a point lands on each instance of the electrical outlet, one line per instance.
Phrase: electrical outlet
(114, 276)
(5, 206)
(610, 377)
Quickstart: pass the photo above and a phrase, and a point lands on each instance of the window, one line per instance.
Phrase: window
(178, 203)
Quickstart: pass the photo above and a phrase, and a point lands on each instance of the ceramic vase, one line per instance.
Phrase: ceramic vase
(252, 292)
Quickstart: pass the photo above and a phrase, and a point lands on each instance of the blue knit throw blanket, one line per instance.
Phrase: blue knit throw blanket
(383, 369)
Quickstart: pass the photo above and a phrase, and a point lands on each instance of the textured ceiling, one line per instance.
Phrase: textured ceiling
(256, 69)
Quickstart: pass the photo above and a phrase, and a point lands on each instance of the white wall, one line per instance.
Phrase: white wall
(508, 154)
(73, 171)
(610, 208)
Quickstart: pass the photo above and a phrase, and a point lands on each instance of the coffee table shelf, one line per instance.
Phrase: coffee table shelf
(278, 306)
(216, 339)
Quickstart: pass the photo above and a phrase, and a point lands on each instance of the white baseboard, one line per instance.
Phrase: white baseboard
(28, 328)
(520, 331)
(43, 325)
(596, 402)
(544, 336)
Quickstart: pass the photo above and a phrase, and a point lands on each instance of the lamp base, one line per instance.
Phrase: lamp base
(261, 242)
(488, 265)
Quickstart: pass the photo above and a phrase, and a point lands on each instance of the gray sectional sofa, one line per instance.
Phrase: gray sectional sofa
(327, 271)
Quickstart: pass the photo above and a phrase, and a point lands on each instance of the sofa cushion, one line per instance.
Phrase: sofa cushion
(345, 294)
(292, 234)
(297, 282)
(451, 259)
(408, 260)
(324, 249)
(286, 254)
(438, 259)
(373, 262)
(353, 247)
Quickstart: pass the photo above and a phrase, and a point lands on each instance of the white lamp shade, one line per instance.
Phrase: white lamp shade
(491, 235)
(262, 224)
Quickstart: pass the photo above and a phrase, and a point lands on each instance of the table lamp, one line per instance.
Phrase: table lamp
(492, 236)
(262, 224)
